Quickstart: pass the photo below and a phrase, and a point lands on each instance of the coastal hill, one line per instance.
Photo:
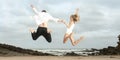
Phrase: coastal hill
(8, 50)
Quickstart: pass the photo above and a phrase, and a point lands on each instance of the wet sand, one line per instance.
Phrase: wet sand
(61, 58)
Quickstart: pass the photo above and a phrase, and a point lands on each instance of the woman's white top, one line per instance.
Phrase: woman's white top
(69, 30)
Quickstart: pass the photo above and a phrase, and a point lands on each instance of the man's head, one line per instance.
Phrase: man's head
(43, 10)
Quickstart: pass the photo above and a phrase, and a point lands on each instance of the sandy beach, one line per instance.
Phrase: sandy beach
(61, 58)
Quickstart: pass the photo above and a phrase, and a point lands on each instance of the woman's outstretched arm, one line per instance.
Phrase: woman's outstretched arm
(67, 25)
(76, 13)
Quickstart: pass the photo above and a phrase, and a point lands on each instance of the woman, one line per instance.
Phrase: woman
(69, 34)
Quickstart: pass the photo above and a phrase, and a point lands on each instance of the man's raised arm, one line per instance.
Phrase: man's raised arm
(34, 9)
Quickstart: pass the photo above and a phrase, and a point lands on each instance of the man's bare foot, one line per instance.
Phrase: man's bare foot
(32, 30)
(49, 31)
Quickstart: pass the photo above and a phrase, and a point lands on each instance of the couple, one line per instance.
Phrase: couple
(42, 19)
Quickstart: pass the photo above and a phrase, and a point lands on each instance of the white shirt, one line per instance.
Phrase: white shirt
(42, 17)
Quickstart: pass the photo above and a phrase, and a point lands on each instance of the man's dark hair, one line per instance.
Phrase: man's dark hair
(43, 10)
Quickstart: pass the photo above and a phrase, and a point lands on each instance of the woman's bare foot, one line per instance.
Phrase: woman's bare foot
(32, 30)
(77, 41)
(81, 37)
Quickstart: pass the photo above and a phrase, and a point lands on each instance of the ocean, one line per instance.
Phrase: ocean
(63, 52)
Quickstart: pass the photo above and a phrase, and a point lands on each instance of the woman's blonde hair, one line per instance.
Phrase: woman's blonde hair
(75, 17)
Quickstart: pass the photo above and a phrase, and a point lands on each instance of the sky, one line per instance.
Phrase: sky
(99, 23)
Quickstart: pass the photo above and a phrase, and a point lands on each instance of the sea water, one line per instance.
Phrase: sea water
(62, 52)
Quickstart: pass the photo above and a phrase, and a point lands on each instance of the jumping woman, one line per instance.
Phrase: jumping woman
(69, 34)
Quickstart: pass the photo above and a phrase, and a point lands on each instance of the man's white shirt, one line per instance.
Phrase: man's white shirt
(42, 17)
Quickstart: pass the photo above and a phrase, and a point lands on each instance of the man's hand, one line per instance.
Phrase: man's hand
(61, 21)
(34, 9)
(32, 6)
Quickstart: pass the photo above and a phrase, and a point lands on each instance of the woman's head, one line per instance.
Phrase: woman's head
(74, 17)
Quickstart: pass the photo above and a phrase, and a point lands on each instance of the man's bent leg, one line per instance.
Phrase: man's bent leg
(48, 37)
(35, 35)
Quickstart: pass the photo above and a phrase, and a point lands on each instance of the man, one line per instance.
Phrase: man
(42, 19)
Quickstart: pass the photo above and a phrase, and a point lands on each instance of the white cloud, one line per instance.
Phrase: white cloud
(99, 19)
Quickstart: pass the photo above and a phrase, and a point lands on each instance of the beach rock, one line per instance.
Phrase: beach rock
(118, 46)
(71, 54)
(111, 50)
